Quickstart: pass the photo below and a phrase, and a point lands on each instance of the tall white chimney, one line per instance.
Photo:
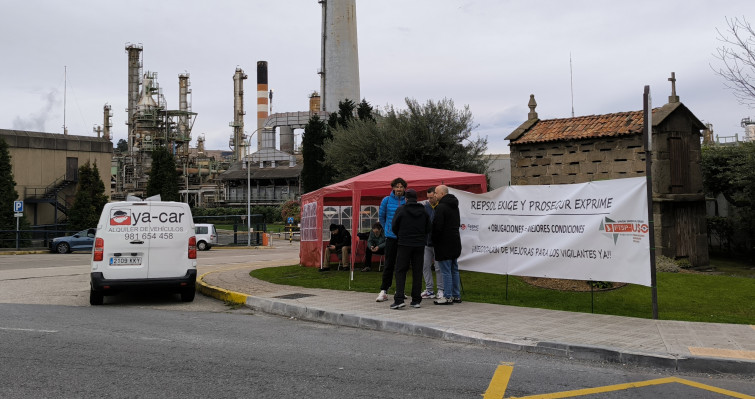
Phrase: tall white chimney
(339, 72)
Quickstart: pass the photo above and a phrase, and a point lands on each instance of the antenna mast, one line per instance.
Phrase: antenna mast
(571, 82)
(65, 86)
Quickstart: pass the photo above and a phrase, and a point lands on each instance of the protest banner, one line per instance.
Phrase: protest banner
(594, 231)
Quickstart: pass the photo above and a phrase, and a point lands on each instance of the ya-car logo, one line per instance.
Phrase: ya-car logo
(119, 217)
(615, 228)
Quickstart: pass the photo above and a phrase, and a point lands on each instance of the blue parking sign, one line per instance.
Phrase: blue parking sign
(18, 206)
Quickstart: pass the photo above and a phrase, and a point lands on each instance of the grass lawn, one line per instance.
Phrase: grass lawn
(681, 296)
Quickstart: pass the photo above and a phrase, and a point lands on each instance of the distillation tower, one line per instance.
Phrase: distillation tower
(151, 125)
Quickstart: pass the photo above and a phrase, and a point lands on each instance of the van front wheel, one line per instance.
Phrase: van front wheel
(95, 297)
(187, 294)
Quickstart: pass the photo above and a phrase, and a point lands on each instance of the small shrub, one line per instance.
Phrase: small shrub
(665, 264)
(601, 285)
(683, 263)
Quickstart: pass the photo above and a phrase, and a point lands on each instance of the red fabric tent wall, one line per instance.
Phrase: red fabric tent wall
(369, 189)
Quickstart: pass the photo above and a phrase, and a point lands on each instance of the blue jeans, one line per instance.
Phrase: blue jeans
(451, 281)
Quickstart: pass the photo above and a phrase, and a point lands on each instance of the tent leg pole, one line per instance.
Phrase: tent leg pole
(507, 288)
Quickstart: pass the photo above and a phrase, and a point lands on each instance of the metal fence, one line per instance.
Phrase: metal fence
(232, 229)
(35, 238)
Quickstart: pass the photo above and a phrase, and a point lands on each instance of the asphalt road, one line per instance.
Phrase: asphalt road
(53, 344)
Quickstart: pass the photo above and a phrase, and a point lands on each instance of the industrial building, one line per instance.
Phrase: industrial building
(45, 168)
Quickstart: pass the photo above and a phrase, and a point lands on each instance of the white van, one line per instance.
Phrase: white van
(144, 244)
(206, 235)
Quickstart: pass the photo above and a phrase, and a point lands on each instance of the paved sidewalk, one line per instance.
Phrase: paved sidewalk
(676, 345)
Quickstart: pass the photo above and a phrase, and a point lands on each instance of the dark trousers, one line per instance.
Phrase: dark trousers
(391, 245)
(368, 255)
(405, 256)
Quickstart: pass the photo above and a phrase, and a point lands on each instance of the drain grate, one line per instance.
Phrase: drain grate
(293, 296)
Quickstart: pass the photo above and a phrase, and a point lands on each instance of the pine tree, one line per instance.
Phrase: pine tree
(344, 115)
(90, 199)
(122, 146)
(8, 195)
(163, 177)
(364, 111)
(314, 174)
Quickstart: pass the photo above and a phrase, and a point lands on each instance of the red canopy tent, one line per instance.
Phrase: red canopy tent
(369, 189)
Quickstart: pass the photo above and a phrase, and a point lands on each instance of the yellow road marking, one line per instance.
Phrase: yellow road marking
(714, 389)
(500, 381)
(220, 293)
(608, 388)
(497, 386)
(731, 353)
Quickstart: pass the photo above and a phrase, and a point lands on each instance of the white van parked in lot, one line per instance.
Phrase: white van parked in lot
(206, 235)
(144, 244)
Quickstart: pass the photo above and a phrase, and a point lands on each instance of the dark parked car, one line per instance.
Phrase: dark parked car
(81, 241)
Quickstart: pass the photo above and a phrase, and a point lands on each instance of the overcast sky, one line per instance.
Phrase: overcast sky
(490, 55)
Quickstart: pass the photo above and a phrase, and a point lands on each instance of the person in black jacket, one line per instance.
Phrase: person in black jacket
(447, 244)
(340, 243)
(411, 224)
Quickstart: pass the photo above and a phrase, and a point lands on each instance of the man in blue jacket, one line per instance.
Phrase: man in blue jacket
(387, 209)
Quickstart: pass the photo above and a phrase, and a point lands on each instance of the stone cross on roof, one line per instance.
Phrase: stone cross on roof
(673, 98)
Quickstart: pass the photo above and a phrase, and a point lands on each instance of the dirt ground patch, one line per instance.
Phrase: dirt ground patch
(566, 285)
(663, 264)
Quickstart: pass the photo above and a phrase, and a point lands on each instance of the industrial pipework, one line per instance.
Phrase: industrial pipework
(237, 139)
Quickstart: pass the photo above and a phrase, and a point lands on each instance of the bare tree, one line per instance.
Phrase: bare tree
(737, 52)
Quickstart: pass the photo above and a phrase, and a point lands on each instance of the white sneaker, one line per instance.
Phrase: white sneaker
(440, 294)
(427, 294)
(382, 296)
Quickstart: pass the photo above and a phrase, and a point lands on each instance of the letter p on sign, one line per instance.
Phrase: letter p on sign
(18, 206)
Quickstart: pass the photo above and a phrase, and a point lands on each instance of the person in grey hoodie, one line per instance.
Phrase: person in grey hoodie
(411, 226)
(427, 271)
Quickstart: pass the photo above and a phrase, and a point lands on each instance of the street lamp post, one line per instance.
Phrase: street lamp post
(248, 200)
(245, 164)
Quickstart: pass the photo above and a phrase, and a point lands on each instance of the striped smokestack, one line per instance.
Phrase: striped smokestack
(262, 100)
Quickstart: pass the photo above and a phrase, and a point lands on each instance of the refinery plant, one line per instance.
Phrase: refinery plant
(268, 176)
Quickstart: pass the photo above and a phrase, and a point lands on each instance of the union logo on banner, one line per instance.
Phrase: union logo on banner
(119, 217)
(637, 229)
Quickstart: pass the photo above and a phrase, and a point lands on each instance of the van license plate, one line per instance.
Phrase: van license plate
(126, 260)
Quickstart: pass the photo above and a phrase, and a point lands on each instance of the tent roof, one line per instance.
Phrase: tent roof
(376, 183)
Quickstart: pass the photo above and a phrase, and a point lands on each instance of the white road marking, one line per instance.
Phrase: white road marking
(27, 329)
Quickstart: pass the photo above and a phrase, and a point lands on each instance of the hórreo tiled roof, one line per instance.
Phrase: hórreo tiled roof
(582, 127)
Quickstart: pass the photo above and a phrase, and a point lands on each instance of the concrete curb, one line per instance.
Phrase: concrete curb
(26, 252)
(219, 293)
(581, 352)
